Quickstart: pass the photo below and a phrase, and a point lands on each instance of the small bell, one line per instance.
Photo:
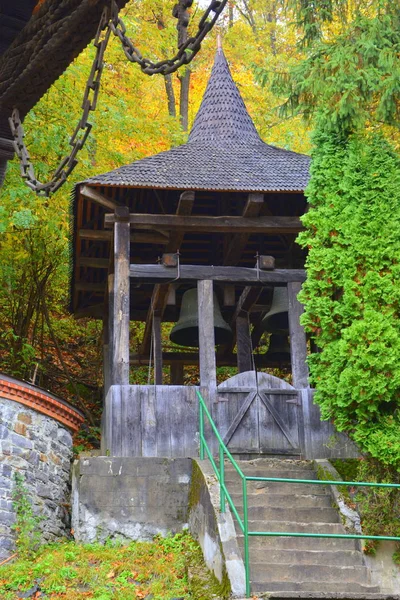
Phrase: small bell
(277, 319)
(279, 349)
(186, 330)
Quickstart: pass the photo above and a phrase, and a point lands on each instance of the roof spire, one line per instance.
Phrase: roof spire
(222, 116)
(219, 41)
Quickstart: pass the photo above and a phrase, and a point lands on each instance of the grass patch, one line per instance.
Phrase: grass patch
(155, 570)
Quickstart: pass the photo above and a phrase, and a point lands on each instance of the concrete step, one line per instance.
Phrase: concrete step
(281, 473)
(295, 527)
(269, 544)
(282, 500)
(289, 573)
(277, 487)
(301, 515)
(339, 558)
(329, 589)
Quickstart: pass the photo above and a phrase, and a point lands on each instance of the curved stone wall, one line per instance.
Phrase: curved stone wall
(35, 440)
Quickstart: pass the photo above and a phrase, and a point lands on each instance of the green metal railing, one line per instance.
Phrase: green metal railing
(219, 470)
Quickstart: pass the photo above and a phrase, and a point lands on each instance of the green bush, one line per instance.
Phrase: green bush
(352, 292)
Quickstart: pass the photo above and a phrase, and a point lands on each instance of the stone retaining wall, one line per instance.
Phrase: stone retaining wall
(40, 449)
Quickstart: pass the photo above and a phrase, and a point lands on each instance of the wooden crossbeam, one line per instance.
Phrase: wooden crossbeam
(192, 358)
(160, 293)
(190, 273)
(93, 194)
(148, 237)
(92, 261)
(206, 224)
(238, 242)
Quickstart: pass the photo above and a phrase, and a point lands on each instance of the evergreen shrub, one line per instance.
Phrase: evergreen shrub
(352, 292)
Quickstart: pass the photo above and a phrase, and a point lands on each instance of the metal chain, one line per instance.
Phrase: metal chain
(186, 52)
(82, 130)
(108, 24)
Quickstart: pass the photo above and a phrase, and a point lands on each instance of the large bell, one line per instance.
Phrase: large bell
(279, 349)
(277, 319)
(186, 330)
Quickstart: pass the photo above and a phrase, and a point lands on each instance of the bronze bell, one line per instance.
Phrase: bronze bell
(186, 330)
(279, 349)
(277, 319)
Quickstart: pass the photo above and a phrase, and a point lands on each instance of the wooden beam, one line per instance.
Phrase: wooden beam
(86, 286)
(298, 342)
(192, 358)
(100, 235)
(205, 224)
(120, 315)
(176, 373)
(157, 347)
(190, 273)
(96, 196)
(161, 292)
(208, 372)
(247, 299)
(92, 261)
(238, 242)
(243, 341)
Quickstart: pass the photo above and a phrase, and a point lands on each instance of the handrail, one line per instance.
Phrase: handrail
(219, 471)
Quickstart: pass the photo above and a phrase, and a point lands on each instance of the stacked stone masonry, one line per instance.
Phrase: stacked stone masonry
(40, 449)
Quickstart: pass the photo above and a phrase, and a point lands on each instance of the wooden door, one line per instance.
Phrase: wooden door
(258, 415)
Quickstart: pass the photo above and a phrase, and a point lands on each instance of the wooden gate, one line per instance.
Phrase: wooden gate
(258, 414)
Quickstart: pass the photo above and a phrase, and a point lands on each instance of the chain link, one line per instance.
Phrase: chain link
(82, 130)
(108, 23)
(186, 52)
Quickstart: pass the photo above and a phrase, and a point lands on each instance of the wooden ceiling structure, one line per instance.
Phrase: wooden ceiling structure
(224, 174)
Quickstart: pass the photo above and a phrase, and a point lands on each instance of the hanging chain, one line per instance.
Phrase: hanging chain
(187, 51)
(82, 130)
(108, 24)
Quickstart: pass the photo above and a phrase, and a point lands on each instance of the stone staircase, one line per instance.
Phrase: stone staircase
(289, 567)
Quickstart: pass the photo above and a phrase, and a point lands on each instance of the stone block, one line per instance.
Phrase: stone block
(24, 418)
(21, 441)
(64, 437)
(4, 432)
(20, 428)
(7, 518)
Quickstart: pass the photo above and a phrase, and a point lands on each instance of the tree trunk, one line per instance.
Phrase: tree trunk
(170, 95)
(184, 99)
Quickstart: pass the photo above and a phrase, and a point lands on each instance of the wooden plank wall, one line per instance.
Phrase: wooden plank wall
(162, 421)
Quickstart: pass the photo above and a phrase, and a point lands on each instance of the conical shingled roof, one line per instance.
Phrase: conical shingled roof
(224, 151)
(222, 115)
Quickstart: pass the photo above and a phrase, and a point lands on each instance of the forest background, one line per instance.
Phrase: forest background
(315, 77)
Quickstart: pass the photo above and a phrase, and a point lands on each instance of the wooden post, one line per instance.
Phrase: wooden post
(120, 308)
(157, 349)
(176, 373)
(298, 342)
(243, 341)
(208, 373)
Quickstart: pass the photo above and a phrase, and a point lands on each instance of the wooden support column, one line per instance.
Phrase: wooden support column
(298, 342)
(157, 348)
(120, 308)
(208, 372)
(243, 341)
(160, 292)
(176, 373)
(237, 244)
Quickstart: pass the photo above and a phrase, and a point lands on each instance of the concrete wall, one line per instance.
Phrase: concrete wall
(215, 531)
(129, 498)
(40, 449)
